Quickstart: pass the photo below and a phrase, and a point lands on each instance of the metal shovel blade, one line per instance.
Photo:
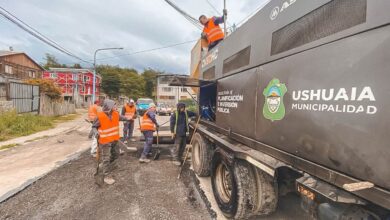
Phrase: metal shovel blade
(157, 155)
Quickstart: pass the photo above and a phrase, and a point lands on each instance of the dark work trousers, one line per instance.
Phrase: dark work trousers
(128, 128)
(109, 153)
(148, 143)
(180, 146)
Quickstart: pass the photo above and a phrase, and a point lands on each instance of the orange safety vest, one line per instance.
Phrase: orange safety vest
(130, 112)
(147, 123)
(92, 112)
(109, 129)
(213, 31)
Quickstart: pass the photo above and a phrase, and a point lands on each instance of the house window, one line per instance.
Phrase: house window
(184, 89)
(166, 89)
(83, 89)
(31, 74)
(53, 75)
(74, 77)
(86, 78)
(8, 69)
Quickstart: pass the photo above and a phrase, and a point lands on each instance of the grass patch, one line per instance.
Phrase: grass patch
(8, 146)
(13, 125)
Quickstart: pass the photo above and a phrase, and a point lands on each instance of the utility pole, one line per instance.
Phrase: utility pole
(94, 70)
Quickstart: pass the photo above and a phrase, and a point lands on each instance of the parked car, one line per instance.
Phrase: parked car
(163, 109)
(143, 105)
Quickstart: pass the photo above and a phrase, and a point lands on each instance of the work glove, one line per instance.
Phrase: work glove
(157, 127)
(224, 12)
(173, 135)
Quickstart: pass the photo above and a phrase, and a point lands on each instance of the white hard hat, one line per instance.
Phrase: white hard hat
(152, 105)
(131, 101)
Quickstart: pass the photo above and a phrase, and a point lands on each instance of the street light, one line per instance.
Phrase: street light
(94, 69)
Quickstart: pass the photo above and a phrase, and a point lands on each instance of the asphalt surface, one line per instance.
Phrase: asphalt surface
(141, 191)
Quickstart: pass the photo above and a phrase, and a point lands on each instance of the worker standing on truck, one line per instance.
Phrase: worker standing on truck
(92, 115)
(107, 126)
(148, 126)
(212, 32)
(179, 129)
(130, 112)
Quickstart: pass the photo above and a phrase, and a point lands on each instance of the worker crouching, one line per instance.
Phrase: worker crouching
(107, 126)
(148, 126)
(179, 129)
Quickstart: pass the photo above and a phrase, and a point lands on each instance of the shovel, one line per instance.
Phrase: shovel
(157, 155)
(98, 178)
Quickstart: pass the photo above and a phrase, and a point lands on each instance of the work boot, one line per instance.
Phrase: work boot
(144, 160)
(109, 180)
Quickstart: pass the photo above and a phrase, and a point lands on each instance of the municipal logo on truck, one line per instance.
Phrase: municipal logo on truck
(273, 105)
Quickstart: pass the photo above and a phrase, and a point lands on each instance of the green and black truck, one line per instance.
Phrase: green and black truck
(297, 100)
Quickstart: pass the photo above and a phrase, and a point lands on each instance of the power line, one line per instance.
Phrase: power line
(21, 24)
(213, 7)
(191, 19)
(149, 50)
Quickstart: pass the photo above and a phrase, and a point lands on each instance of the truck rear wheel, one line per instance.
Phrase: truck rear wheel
(267, 193)
(235, 187)
(201, 155)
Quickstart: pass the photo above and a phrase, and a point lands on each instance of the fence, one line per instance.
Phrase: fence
(24, 97)
(49, 107)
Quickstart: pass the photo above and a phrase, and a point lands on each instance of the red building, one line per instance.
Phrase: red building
(74, 82)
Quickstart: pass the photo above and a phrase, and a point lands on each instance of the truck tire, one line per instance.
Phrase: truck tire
(224, 185)
(247, 199)
(267, 193)
(201, 155)
(234, 187)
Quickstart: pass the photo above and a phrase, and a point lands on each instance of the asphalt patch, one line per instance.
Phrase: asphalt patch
(141, 191)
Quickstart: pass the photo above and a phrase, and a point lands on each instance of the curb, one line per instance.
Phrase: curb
(29, 182)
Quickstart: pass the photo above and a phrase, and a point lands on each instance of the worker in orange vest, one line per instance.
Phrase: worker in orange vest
(92, 115)
(130, 112)
(93, 110)
(107, 126)
(148, 126)
(212, 32)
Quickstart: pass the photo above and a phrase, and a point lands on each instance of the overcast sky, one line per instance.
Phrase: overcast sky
(81, 26)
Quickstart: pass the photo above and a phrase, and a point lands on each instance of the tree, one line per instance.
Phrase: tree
(150, 78)
(51, 61)
(77, 66)
(111, 84)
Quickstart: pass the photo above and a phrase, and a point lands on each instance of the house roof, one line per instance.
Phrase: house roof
(4, 53)
(72, 70)
(7, 53)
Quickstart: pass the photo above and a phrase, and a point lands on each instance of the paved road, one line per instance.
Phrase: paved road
(22, 165)
(142, 191)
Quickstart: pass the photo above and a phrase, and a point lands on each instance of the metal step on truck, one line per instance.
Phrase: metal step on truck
(297, 100)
